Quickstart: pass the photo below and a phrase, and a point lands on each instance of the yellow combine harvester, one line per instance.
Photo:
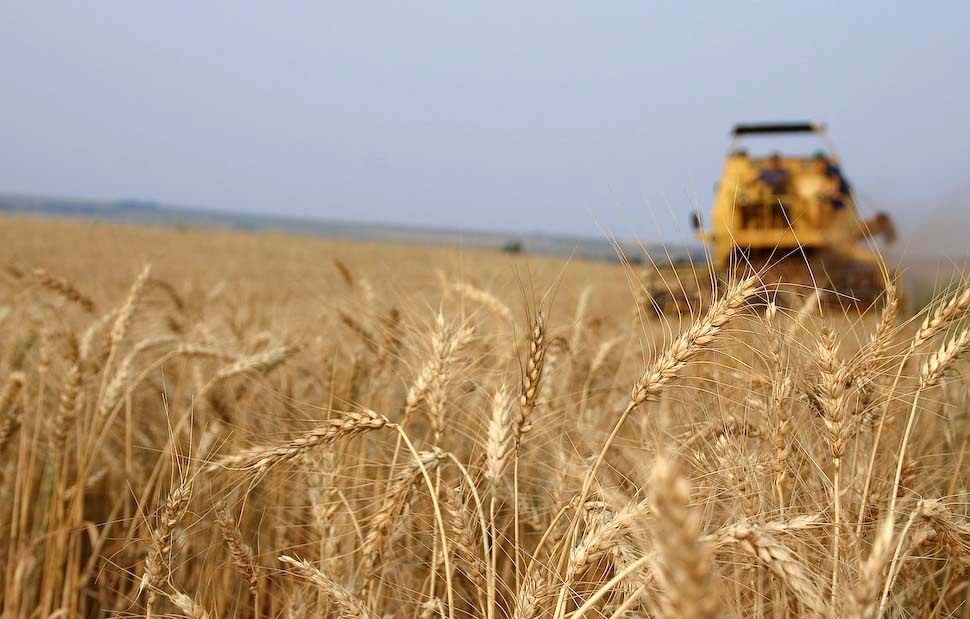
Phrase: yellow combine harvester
(791, 216)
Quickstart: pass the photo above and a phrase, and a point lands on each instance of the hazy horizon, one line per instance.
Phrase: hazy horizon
(564, 119)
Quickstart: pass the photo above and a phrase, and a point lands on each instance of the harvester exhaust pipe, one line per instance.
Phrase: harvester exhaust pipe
(695, 221)
(880, 225)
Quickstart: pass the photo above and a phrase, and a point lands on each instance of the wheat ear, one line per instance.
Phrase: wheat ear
(691, 342)
(602, 539)
(368, 338)
(879, 342)
(834, 378)
(499, 442)
(945, 314)
(349, 605)
(260, 459)
(259, 363)
(953, 533)
(86, 343)
(446, 355)
(532, 375)
(345, 273)
(485, 299)
(9, 412)
(123, 320)
(119, 382)
(447, 342)
(937, 364)
(243, 558)
(64, 288)
(67, 410)
(469, 560)
(188, 606)
(156, 565)
(781, 562)
(684, 560)
(675, 357)
(395, 496)
(865, 594)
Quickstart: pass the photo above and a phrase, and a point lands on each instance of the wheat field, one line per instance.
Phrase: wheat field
(222, 424)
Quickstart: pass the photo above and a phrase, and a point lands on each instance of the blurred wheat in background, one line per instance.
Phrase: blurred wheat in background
(213, 424)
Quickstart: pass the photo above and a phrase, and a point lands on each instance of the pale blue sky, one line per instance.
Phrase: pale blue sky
(555, 116)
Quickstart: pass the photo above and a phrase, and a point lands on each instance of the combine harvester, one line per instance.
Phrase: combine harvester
(791, 217)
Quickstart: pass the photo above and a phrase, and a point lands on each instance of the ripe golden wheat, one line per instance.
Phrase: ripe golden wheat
(204, 440)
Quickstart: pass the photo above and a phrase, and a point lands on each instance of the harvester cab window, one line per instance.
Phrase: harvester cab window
(835, 188)
(774, 175)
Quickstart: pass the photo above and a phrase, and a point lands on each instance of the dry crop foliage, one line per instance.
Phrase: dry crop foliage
(170, 450)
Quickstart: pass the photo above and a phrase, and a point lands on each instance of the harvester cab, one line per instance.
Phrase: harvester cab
(794, 217)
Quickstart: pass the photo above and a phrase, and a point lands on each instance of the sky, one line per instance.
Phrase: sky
(584, 118)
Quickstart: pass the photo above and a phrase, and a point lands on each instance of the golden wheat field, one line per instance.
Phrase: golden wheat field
(220, 424)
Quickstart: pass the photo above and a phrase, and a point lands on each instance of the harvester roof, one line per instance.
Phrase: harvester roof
(774, 128)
